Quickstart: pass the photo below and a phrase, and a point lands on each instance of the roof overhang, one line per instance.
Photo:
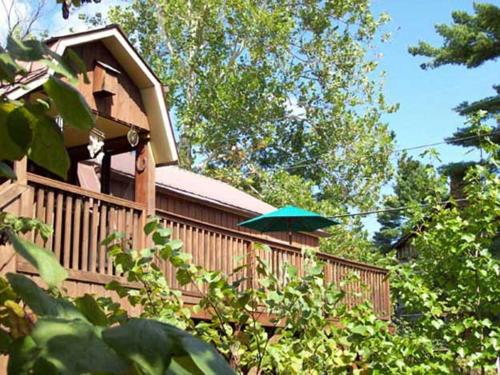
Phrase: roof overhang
(162, 135)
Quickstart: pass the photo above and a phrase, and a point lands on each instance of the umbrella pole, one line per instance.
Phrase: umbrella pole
(290, 231)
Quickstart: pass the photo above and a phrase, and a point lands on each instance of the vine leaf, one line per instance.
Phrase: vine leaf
(43, 260)
(70, 103)
(39, 301)
(75, 347)
(157, 346)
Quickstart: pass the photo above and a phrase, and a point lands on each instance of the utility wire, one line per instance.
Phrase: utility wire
(402, 208)
(302, 163)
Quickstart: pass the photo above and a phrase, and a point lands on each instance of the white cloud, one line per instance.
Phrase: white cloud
(295, 109)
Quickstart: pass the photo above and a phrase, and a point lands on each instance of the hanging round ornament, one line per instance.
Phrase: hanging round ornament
(133, 137)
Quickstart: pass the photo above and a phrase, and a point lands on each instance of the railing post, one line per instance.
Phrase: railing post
(145, 185)
(20, 206)
(251, 265)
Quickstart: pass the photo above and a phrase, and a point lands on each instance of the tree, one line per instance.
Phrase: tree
(450, 288)
(470, 41)
(19, 19)
(414, 182)
(262, 87)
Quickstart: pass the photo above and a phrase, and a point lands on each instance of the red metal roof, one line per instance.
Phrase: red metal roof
(196, 185)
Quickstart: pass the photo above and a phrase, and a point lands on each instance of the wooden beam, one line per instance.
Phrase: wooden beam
(145, 177)
(106, 174)
(145, 187)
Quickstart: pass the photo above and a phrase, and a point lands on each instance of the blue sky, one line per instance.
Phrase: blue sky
(427, 97)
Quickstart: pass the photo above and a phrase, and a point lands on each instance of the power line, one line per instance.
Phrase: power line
(402, 208)
(302, 163)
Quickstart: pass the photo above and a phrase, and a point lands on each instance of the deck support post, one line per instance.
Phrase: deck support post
(145, 180)
(251, 266)
(106, 173)
(22, 206)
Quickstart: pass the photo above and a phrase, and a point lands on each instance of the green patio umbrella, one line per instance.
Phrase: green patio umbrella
(288, 219)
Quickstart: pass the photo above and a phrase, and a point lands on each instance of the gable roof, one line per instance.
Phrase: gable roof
(162, 134)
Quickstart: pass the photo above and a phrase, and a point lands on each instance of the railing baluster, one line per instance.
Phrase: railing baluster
(68, 218)
(94, 238)
(85, 235)
(76, 234)
(58, 225)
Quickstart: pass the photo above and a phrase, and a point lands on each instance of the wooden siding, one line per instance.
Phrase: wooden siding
(126, 105)
(176, 203)
(123, 186)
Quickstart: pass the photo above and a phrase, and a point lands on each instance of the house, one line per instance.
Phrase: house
(136, 175)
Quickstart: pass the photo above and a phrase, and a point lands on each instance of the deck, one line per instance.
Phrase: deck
(82, 219)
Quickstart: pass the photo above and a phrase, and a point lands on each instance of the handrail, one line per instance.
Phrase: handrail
(81, 191)
(289, 248)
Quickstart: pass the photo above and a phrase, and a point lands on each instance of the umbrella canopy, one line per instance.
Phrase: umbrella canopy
(288, 219)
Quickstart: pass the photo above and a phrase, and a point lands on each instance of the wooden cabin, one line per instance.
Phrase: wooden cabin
(137, 176)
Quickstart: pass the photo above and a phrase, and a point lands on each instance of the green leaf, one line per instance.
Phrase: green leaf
(70, 104)
(5, 341)
(47, 136)
(154, 346)
(91, 310)
(150, 226)
(72, 58)
(359, 330)
(22, 356)
(43, 260)
(20, 125)
(61, 68)
(6, 171)
(12, 132)
(143, 342)
(39, 301)
(183, 276)
(182, 366)
(202, 354)
(8, 67)
(175, 244)
(75, 347)
(25, 50)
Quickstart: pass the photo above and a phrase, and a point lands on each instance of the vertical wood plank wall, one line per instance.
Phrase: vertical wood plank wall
(170, 202)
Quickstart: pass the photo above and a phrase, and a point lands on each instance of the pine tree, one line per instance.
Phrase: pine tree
(414, 181)
(471, 40)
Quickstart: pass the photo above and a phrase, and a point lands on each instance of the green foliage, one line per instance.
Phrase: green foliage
(450, 291)
(309, 329)
(260, 86)
(26, 128)
(49, 333)
(414, 182)
(50, 270)
(470, 40)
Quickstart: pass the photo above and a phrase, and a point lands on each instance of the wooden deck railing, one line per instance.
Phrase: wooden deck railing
(82, 219)
(220, 248)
